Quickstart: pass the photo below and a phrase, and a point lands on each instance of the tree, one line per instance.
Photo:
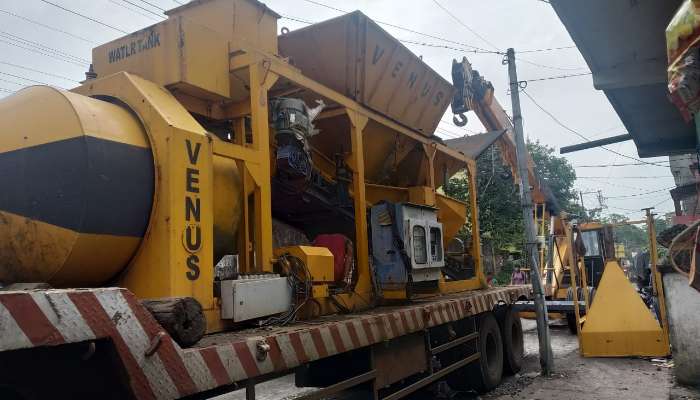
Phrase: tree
(633, 237)
(500, 217)
(556, 173)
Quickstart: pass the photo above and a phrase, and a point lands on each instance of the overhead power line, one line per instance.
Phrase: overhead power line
(156, 6)
(662, 202)
(617, 165)
(467, 27)
(42, 47)
(303, 21)
(547, 49)
(124, 6)
(640, 194)
(38, 71)
(475, 49)
(31, 21)
(555, 119)
(23, 78)
(551, 78)
(442, 46)
(550, 66)
(85, 17)
(623, 177)
(144, 9)
(47, 54)
(403, 28)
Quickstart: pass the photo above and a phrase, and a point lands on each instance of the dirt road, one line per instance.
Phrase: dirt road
(575, 377)
(588, 378)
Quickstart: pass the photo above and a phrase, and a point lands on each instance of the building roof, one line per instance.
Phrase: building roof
(623, 43)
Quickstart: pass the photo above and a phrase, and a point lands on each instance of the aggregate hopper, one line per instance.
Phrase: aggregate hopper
(354, 56)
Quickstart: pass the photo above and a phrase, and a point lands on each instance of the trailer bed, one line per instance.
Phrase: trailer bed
(157, 368)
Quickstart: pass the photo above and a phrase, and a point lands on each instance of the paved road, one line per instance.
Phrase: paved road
(575, 377)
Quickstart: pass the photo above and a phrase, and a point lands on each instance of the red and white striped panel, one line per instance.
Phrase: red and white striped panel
(55, 317)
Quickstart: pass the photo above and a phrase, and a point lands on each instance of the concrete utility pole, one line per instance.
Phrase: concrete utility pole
(546, 359)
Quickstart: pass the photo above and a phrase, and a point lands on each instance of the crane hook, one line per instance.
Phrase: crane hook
(459, 119)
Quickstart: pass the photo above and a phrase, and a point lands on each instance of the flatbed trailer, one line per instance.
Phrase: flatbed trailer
(65, 336)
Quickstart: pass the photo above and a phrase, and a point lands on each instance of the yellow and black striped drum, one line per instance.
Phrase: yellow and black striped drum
(76, 188)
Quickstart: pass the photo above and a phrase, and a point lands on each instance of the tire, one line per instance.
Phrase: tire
(571, 323)
(485, 374)
(513, 343)
(570, 317)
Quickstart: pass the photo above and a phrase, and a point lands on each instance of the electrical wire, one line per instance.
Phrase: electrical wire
(38, 71)
(21, 77)
(303, 21)
(474, 49)
(662, 202)
(33, 50)
(124, 6)
(640, 194)
(31, 21)
(440, 46)
(467, 27)
(550, 66)
(13, 82)
(156, 6)
(617, 165)
(548, 49)
(555, 119)
(144, 9)
(42, 47)
(624, 177)
(85, 17)
(402, 27)
(551, 78)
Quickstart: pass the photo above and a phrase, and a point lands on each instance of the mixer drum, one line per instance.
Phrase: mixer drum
(77, 183)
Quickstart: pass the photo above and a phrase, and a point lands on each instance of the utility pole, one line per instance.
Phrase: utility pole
(546, 359)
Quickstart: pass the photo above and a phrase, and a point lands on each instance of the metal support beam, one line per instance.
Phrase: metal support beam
(340, 386)
(595, 143)
(432, 378)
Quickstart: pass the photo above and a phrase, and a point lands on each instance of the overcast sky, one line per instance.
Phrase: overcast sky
(521, 24)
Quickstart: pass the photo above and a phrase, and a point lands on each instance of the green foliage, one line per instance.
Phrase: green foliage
(500, 218)
(503, 277)
(556, 172)
(634, 237)
(500, 215)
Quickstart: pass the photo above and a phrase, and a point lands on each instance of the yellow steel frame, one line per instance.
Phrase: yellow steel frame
(619, 324)
(164, 265)
(359, 116)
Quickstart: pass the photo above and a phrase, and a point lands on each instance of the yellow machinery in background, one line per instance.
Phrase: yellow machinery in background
(617, 323)
(191, 142)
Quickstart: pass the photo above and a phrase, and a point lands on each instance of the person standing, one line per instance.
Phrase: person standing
(518, 277)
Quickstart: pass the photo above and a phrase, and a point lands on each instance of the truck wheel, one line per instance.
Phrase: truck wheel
(485, 373)
(513, 346)
(571, 323)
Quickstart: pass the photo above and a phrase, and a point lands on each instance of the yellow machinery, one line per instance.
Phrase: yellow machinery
(617, 322)
(167, 158)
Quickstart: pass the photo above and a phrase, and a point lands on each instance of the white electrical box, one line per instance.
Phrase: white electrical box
(246, 299)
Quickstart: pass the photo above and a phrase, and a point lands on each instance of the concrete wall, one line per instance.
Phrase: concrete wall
(683, 306)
